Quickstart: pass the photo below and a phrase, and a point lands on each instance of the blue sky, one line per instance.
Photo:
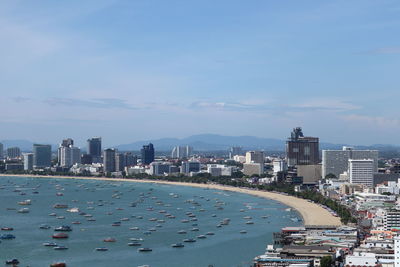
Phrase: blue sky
(140, 69)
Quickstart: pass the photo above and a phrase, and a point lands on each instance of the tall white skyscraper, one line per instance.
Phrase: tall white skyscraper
(361, 171)
(180, 152)
(28, 161)
(69, 156)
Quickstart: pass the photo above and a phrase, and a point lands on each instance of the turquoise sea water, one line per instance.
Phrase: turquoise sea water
(138, 205)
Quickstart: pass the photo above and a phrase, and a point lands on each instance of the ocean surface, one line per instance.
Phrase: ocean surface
(152, 212)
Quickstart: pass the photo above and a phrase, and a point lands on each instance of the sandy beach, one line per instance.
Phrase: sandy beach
(312, 213)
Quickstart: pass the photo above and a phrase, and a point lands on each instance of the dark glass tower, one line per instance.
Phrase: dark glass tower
(94, 149)
(302, 150)
(147, 153)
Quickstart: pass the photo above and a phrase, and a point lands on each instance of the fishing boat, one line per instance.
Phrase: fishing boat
(144, 249)
(59, 235)
(13, 262)
(101, 249)
(134, 244)
(178, 245)
(7, 236)
(50, 244)
(7, 228)
(63, 228)
(25, 202)
(60, 248)
(58, 264)
(189, 240)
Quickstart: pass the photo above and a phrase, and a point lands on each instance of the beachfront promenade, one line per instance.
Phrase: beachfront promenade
(312, 213)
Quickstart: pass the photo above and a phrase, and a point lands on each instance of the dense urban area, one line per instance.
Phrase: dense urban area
(359, 186)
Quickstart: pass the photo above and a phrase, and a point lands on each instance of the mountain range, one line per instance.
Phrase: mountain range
(208, 142)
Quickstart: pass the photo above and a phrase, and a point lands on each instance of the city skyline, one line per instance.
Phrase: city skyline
(85, 69)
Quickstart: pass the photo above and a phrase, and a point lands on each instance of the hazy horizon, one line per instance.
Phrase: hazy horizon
(139, 70)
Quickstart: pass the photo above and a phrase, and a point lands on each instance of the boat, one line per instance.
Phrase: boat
(63, 228)
(178, 245)
(52, 214)
(249, 222)
(58, 264)
(201, 237)
(210, 233)
(44, 226)
(247, 217)
(59, 235)
(7, 236)
(23, 210)
(76, 222)
(109, 239)
(134, 244)
(7, 229)
(73, 210)
(101, 249)
(147, 233)
(144, 249)
(13, 262)
(60, 206)
(134, 228)
(25, 202)
(189, 240)
(60, 248)
(243, 232)
(50, 244)
(194, 229)
(136, 239)
(181, 232)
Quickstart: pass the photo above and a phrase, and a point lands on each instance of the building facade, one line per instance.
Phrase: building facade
(182, 152)
(109, 156)
(361, 171)
(94, 149)
(301, 150)
(28, 161)
(147, 153)
(336, 161)
(13, 152)
(41, 156)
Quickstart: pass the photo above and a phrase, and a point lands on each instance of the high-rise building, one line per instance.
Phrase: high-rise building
(279, 165)
(147, 153)
(86, 159)
(234, 151)
(109, 156)
(302, 150)
(41, 156)
(182, 152)
(28, 161)
(120, 162)
(255, 157)
(68, 155)
(190, 166)
(1, 151)
(361, 171)
(130, 159)
(336, 162)
(13, 152)
(94, 149)
(159, 168)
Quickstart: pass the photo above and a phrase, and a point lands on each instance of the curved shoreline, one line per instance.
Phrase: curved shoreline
(311, 213)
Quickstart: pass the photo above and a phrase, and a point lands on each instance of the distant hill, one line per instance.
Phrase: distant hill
(210, 142)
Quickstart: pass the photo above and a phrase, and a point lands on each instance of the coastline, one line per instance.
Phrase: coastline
(311, 213)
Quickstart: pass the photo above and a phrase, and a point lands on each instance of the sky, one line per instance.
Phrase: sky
(144, 69)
